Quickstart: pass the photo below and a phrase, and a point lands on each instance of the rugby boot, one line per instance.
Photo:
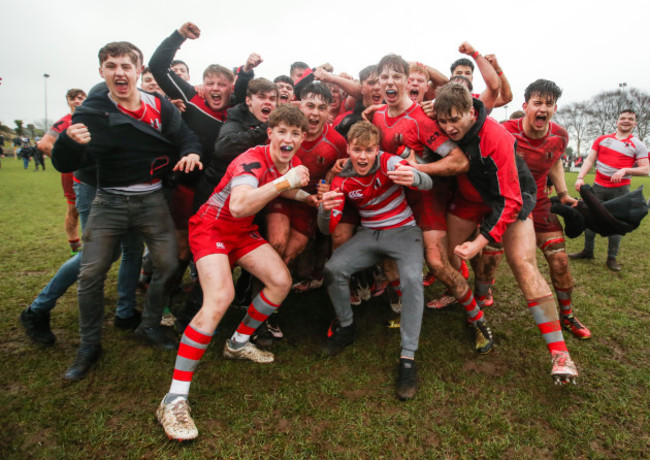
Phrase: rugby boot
(564, 369)
(574, 326)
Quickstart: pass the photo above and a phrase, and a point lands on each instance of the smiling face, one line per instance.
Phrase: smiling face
(371, 91)
(150, 84)
(284, 141)
(457, 124)
(393, 85)
(217, 89)
(626, 123)
(417, 86)
(465, 71)
(362, 156)
(316, 111)
(121, 76)
(538, 113)
(262, 104)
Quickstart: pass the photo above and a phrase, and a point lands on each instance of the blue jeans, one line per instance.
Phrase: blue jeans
(67, 274)
(111, 217)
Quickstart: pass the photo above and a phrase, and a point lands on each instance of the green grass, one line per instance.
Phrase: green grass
(502, 405)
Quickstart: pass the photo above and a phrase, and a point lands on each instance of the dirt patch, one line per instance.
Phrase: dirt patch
(493, 369)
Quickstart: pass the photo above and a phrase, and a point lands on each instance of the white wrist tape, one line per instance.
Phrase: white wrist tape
(288, 181)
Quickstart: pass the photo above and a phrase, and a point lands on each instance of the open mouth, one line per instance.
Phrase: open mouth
(284, 97)
(216, 97)
(540, 121)
(266, 111)
(376, 98)
(314, 123)
(391, 93)
(286, 148)
(414, 93)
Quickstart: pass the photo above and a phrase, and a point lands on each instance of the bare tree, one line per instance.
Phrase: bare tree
(576, 119)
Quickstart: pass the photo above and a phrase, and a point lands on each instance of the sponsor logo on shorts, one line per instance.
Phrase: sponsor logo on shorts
(356, 194)
(255, 235)
(220, 245)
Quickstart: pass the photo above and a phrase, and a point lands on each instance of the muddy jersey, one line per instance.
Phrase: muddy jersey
(412, 129)
(614, 154)
(60, 126)
(380, 201)
(320, 154)
(539, 154)
(253, 167)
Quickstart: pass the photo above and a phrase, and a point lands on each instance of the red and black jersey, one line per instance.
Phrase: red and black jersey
(149, 111)
(381, 202)
(496, 175)
(320, 154)
(60, 126)
(412, 129)
(253, 167)
(539, 154)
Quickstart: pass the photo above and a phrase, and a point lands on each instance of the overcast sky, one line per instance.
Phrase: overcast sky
(584, 46)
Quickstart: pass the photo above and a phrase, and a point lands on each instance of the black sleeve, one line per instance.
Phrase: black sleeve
(241, 85)
(235, 139)
(68, 155)
(177, 130)
(173, 85)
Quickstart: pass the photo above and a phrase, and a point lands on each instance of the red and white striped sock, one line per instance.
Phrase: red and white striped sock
(191, 349)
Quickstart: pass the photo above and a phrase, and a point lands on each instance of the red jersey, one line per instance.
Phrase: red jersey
(253, 167)
(60, 126)
(614, 154)
(149, 111)
(380, 201)
(414, 130)
(319, 155)
(539, 154)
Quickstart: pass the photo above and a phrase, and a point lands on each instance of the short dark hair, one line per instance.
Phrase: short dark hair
(395, 62)
(74, 92)
(216, 69)
(462, 61)
(463, 80)
(116, 49)
(259, 86)
(178, 61)
(290, 115)
(542, 88)
(517, 114)
(628, 111)
(368, 72)
(283, 79)
(317, 89)
(298, 65)
(452, 96)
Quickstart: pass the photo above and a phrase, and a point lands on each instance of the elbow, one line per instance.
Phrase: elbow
(463, 166)
(236, 210)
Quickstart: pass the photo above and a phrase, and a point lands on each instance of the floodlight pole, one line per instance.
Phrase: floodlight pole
(45, 77)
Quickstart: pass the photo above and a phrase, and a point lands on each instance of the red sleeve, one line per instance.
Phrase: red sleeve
(337, 212)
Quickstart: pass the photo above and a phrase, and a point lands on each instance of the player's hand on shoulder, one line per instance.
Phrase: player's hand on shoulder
(427, 107)
(79, 133)
(189, 30)
(367, 114)
(402, 175)
(179, 104)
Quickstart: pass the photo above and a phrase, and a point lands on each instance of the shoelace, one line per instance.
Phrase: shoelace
(181, 410)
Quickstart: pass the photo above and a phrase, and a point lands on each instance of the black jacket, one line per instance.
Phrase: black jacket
(239, 133)
(126, 151)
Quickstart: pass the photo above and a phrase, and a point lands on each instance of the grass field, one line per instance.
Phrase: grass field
(502, 405)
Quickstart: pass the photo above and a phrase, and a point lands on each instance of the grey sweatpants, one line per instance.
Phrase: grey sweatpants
(365, 249)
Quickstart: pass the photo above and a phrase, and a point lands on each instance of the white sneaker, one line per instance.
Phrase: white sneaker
(176, 420)
(564, 369)
(248, 351)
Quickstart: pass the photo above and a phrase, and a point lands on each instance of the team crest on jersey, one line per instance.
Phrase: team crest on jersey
(549, 156)
(155, 124)
(377, 182)
(356, 194)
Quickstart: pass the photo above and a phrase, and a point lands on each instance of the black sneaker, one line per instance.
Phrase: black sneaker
(37, 326)
(406, 384)
(582, 255)
(87, 356)
(263, 337)
(483, 339)
(341, 337)
(130, 323)
(155, 336)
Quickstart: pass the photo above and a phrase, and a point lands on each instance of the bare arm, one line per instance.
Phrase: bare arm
(556, 174)
(454, 163)
(246, 200)
(586, 166)
(489, 96)
(641, 169)
(505, 93)
(436, 78)
(351, 87)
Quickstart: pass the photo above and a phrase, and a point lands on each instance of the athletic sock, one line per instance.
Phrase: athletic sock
(482, 290)
(259, 309)
(472, 309)
(545, 314)
(564, 299)
(396, 287)
(191, 349)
